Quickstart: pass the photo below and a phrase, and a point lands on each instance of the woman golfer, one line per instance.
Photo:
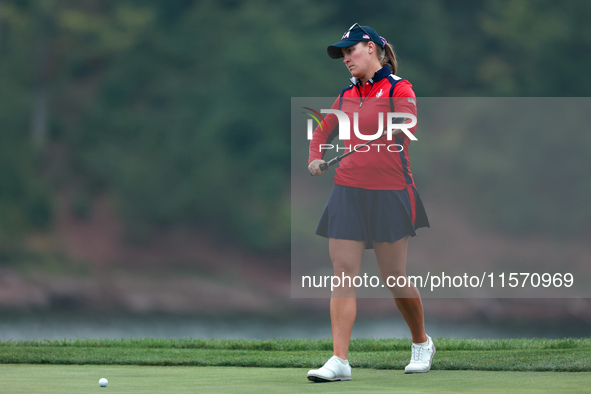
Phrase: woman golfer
(374, 203)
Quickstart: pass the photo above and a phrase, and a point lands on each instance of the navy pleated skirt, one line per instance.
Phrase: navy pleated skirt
(372, 215)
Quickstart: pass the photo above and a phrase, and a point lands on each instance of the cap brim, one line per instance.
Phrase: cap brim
(335, 50)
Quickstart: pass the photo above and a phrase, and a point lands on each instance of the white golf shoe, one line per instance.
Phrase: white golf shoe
(421, 358)
(335, 369)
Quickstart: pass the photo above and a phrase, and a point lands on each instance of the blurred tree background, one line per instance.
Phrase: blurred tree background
(179, 110)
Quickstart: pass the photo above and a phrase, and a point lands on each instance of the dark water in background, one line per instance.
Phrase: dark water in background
(20, 326)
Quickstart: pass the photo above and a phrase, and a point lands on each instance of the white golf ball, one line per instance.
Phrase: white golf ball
(103, 382)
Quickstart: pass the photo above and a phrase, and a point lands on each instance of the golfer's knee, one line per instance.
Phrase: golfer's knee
(347, 268)
(397, 283)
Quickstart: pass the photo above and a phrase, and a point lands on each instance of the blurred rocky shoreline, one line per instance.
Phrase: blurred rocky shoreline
(129, 293)
(192, 271)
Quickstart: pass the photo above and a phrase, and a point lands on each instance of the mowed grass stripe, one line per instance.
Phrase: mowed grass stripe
(571, 355)
(62, 379)
(308, 344)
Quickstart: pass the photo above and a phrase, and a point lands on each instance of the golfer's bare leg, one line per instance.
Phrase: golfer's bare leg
(346, 259)
(391, 258)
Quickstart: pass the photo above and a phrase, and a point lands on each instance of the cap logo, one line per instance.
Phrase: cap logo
(346, 35)
(365, 36)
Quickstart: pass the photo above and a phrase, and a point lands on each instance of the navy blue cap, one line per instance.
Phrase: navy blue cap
(352, 36)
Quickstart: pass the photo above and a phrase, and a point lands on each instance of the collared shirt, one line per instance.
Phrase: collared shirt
(384, 164)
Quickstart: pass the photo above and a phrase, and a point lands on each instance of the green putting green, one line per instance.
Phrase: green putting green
(63, 379)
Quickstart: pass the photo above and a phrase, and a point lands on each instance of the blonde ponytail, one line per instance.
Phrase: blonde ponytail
(387, 56)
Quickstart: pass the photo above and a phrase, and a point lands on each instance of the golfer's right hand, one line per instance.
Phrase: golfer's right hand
(314, 167)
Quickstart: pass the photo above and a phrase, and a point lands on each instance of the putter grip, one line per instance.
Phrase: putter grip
(323, 167)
